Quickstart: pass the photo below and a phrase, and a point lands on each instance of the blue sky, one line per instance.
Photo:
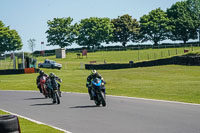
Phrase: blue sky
(29, 17)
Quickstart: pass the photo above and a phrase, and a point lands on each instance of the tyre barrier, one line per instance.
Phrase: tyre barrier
(9, 124)
(11, 71)
(177, 60)
(19, 71)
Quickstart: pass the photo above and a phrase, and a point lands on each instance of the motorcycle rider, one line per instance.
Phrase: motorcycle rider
(53, 77)
(94, 74)
(41, 73)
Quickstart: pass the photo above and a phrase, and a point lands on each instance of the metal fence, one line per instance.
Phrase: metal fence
(125, 54)
(6, 63)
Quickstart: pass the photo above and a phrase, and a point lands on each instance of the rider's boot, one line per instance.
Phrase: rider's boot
(91, 97)
(59, 92)
(40, 89)
(90, 93)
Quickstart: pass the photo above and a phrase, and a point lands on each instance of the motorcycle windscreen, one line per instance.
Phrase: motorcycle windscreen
(96, 82)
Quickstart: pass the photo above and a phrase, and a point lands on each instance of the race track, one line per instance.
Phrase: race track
(78, 114)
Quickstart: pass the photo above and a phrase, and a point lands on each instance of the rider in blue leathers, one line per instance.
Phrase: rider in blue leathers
(94, 74)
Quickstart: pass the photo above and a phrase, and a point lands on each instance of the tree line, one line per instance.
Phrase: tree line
(179, 22)
(9, 39)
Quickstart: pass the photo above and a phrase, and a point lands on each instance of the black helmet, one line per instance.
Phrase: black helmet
(51, 75)
(41, 72)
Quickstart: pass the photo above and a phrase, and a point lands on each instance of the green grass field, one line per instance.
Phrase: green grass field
(71, 62)
(28, 126)
(170, 82)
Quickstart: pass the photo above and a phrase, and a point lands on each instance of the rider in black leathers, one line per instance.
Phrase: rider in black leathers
(92, 76)
(52, 78)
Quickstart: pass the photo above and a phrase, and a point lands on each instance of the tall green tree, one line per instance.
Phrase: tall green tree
(194, 6)
(94, 31)
(9, 39)
(1, 24)
(125, 29)
(154, 26)
(183, 21)
(60, 32)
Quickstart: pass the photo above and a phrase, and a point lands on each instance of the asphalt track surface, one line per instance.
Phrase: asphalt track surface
(77, 114)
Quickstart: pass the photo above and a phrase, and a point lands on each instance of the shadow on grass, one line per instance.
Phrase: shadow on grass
(86, 106)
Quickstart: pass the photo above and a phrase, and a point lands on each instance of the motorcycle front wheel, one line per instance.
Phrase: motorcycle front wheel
(97, 102)
(56, 98)
(103, 99)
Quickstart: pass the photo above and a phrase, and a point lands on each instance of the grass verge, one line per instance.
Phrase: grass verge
(31, 127)
(171, 82)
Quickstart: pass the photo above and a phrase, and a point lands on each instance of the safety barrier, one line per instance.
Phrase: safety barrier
(9, 124)
(29, 70)
(178, 60)
(19, 71)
